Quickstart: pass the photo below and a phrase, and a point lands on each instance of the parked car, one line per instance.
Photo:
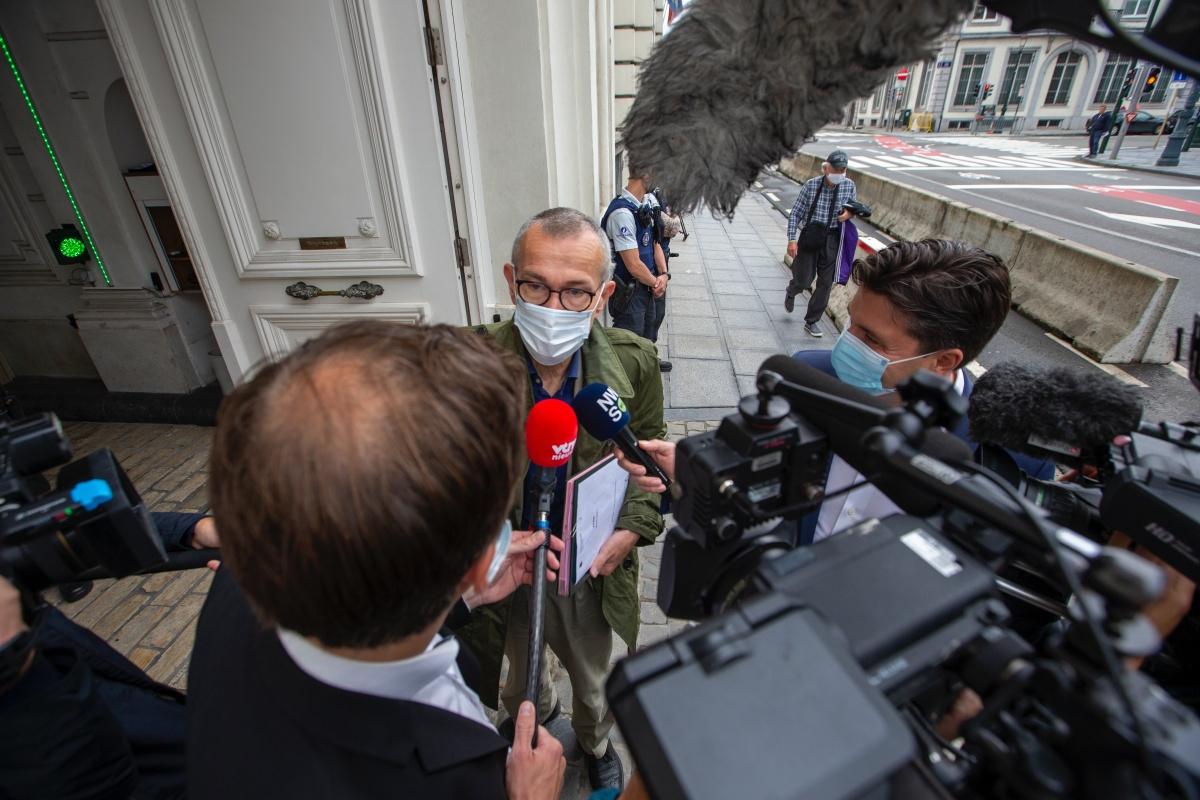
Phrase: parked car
(1175, 117)
(1143, 122)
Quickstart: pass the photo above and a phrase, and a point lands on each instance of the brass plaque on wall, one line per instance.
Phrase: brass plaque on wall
(322, 242)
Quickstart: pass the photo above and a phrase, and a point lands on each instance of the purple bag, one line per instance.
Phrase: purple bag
(846, 250)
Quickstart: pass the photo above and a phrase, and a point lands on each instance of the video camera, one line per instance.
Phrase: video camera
(93, 523)
(1133, 476)
(822, 668)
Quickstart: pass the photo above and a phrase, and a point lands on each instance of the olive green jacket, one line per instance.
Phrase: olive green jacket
(629, 364)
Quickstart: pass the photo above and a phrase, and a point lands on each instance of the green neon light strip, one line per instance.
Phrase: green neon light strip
(37, 121)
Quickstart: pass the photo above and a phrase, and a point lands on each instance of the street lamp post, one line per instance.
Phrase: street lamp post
(1170, 153)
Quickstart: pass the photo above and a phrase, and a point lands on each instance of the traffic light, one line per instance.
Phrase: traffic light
(68, 246)
(987, 90)
(1151, 80)
(1129, 76)
(976, 93)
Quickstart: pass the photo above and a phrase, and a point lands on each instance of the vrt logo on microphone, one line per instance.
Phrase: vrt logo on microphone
(562, 452)
(612, 404)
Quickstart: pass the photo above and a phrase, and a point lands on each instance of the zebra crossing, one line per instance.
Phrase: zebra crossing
(917, 154)
(915, 162)
(1025, 147)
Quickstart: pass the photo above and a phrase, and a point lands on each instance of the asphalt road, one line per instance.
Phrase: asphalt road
(1148, 218)
(1166, 392)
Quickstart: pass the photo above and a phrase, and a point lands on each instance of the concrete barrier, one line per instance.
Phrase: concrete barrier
(1109, 308)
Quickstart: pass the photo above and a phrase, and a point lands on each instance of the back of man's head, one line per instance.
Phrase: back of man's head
(948, 293)
(357, 480)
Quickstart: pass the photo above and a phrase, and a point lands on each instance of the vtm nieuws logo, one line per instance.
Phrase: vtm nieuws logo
(562, 451)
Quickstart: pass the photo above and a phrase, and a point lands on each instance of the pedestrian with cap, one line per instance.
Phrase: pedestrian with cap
(815, 236)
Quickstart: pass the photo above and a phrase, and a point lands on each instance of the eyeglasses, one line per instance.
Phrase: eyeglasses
(572, 299)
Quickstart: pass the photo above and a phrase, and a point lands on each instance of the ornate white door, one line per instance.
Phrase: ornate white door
(299, 141)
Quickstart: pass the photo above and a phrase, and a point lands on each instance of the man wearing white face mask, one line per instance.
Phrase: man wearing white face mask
(559, 279)
(815, 236)
(933, 305)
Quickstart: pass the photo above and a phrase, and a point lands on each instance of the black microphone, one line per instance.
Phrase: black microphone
(603, 415)
(1068, 415)
(846, 435)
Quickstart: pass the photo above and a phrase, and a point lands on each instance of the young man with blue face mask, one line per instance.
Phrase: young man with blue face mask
(932, 305)
(559, 280)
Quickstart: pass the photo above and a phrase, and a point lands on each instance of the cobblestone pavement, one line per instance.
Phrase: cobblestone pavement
(152, 619)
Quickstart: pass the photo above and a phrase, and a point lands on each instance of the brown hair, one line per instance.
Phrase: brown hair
(948, 293)
(355, 481)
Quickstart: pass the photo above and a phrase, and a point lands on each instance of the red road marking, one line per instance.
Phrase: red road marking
(894, 143)
(1149, 198)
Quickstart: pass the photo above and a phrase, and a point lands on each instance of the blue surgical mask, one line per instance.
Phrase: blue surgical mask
(835, 178)
(502, 541)
(858, 365)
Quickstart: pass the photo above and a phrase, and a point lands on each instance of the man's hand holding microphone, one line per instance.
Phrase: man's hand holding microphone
(662, 453)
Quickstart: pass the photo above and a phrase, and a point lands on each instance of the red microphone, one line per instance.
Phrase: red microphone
(550, 432)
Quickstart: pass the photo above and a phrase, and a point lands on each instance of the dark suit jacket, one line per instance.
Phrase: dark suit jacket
(1034, 467)
(260, 727)
(84, 721)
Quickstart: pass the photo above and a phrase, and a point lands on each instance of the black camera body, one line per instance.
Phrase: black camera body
(777, 692)
(94, 519)
(752, 468)
(1154, 494)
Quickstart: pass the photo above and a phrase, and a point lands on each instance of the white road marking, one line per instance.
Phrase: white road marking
(757, 185)
(1113, 172)
(1058, 218)
(773, 196)
(872, 244)
(1154, 222)
(1178, 369)
(1139, 187)
(976, 369)
(979, 177)
(1119, 374)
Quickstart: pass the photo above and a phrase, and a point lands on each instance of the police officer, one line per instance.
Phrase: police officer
(631, 223)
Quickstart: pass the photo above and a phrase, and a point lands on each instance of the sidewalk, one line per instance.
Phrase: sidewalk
(1144, 158)
(151, 619)
(725, 312)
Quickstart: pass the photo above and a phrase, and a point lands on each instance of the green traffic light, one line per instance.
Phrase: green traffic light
(71, 247)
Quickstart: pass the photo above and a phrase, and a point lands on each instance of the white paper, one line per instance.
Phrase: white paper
(594, 513)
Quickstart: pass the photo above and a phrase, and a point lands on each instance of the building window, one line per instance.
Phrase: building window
(1061, 80)
(1049, 123)
(970, 76)
(926, 83)
(1136, 8)
(981, 13)
(1159, 93)
(877, 100)
(1111, 78)
(1016, 72)
(958, 124)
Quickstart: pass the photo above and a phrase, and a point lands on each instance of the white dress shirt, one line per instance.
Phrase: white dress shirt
(863, 503)
(431, 678)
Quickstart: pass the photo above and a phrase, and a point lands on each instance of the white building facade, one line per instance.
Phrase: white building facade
(228, 158)
(1040, 81)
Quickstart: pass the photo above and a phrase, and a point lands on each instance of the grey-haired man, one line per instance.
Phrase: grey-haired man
(814, 236)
